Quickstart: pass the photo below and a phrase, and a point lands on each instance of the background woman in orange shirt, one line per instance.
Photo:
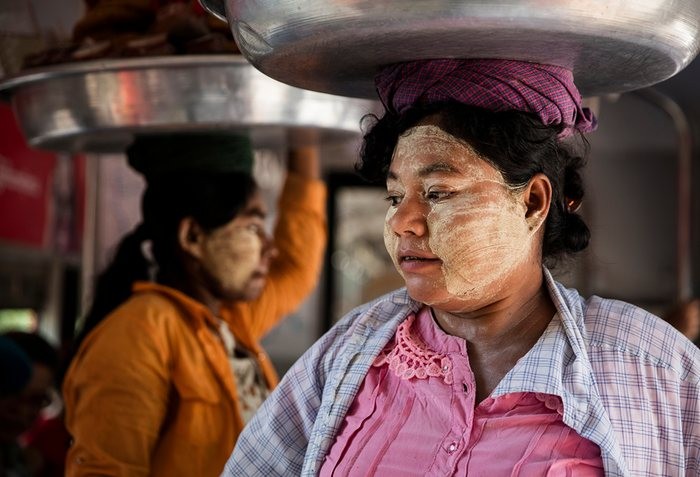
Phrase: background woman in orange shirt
(170, 367)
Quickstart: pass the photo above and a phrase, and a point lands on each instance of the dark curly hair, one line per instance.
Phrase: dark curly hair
(516, 143)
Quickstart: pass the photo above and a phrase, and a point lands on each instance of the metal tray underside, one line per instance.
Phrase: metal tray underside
(337, 46)
(98, 106)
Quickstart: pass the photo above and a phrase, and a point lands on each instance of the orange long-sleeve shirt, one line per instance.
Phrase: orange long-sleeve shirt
(151, 391)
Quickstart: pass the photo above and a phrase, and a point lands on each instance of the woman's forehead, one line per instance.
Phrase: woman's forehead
(427, 149)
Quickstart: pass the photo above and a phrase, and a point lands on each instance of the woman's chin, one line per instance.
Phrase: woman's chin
(441, 299)
(429, 293)
(254, 289)
(251, 291)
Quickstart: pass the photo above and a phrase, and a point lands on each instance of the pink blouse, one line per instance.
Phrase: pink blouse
(415, 415)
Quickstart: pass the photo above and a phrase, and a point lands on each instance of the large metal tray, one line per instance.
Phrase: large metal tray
(98, 106)
(336, 46)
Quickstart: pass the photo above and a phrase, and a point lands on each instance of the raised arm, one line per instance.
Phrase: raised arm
(305, 162)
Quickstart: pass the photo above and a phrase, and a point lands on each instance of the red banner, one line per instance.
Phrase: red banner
(26, 184)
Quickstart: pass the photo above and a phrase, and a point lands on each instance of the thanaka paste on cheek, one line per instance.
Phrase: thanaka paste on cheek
(480, 242)
(235, 253)
(481, 234)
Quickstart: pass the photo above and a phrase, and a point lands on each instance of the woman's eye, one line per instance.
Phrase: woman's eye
(393, 200)
(255, 228)
(436, 195)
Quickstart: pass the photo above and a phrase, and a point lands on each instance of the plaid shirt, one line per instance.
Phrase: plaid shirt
(629, 382)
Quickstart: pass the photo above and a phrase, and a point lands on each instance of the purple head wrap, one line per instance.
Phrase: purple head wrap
(497, 85)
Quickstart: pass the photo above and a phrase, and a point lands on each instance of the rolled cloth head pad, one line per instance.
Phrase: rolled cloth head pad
(218, 152)
(497, 85)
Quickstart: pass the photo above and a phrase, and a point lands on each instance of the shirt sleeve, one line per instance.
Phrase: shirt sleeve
(300, 238)
(275, 441)
(116, 398)
(690, 400)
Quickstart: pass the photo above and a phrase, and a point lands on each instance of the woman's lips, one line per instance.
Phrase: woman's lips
(417, 262)
(260, 273)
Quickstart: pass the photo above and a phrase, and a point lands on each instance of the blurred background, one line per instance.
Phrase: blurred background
(61, 213)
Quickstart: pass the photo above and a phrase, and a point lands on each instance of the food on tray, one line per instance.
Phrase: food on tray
(136, 28)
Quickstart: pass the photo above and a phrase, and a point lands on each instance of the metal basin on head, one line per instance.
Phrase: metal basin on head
(337, 46)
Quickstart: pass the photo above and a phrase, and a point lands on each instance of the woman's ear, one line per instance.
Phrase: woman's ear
(191, 237)
(537, 198)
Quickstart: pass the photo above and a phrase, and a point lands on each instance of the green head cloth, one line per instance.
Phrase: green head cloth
(158, 154)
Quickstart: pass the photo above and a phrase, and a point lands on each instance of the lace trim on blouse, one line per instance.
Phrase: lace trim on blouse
(551, 402)
(411, 358)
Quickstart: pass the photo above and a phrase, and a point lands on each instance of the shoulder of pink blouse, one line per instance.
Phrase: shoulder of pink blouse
(410, 357)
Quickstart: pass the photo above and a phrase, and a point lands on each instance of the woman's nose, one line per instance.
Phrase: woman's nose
(409, 218)
(269, 251)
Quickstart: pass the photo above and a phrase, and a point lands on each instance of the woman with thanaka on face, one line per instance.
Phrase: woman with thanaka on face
(483, 364)
(169, 367)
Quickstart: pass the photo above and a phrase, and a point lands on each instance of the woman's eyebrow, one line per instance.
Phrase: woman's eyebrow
(255, 212)
(438, 167)
(428, 170)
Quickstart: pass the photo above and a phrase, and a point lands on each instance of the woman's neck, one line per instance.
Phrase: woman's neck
(194, 290)
(501, 333)
(499, 322)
